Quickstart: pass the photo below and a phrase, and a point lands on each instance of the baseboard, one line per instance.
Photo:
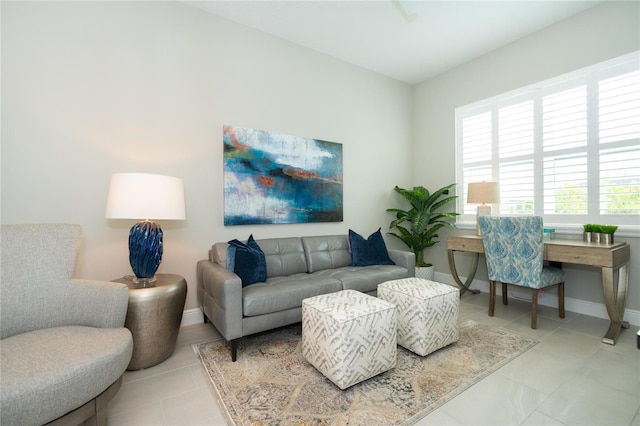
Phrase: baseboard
(192, 316)
(584, 307)
(598, 310)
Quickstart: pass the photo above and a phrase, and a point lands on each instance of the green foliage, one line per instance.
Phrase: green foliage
(623, 200)
(600, 229)
(596, 228)
(417, 227)
(620, 200)
(608, 229)
(571, 200)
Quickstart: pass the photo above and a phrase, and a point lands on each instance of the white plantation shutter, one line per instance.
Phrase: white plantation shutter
(619, 181)
(477, 141)
(564, 140)
(517, 187)
(515, 130)
(564, 119)
(619, 108)
(477, 132)
(515, 151)
(567, 149)
(619, 133)
(565, 184)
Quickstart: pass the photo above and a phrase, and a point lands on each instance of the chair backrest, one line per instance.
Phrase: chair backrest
(37, 262)
(514, 249)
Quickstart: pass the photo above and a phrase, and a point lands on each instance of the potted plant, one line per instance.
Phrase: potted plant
(588, 230)
(606, 233)
(417, 227)
(599, 233)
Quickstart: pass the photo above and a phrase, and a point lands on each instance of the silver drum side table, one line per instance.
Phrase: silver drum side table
(153, 317)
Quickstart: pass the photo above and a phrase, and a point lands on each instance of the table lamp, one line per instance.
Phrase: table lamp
(145, 196)
(484, 194)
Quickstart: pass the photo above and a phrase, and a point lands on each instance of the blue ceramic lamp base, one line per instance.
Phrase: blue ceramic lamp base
(145, 251)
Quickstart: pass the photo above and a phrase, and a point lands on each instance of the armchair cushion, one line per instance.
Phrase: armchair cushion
(45, 375)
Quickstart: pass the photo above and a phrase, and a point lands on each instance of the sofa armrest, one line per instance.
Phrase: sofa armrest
(220, 295)
(92, 303)
(404, 258)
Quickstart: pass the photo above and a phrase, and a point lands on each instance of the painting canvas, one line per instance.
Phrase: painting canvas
(272, 178)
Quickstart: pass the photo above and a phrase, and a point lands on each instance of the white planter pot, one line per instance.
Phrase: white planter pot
(425, 272)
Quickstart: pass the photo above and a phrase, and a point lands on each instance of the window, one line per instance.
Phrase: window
(567, 149)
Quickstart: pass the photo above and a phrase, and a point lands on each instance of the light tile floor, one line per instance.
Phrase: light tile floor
(569, 378)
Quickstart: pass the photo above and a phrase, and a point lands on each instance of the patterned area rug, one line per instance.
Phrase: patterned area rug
(272, 384)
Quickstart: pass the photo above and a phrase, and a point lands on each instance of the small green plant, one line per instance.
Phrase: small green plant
(596, 228)
(600, 229)
(608, 229)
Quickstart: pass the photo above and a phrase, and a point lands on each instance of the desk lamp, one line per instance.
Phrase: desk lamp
(484, 194)
(145, 196)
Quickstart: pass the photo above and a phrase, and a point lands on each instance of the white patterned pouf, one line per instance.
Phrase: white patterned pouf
(427, 313)
(349, 336)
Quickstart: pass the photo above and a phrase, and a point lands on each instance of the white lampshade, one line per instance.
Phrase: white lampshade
(483, 193)
(145, 196)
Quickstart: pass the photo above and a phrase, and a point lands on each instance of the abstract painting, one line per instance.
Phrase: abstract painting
(272, 178)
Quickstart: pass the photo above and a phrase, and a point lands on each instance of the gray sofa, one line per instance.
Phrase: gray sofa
(64, 347)
(297, 268)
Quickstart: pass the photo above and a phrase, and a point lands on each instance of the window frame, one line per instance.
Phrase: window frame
(588, 76)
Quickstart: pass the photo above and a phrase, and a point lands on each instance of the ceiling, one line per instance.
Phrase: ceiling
(410, 41)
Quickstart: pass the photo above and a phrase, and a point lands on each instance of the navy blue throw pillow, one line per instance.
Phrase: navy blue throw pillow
(372, 251)
(249, 263)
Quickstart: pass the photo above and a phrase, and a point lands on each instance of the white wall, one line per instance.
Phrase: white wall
(603, 32)
(92, 88)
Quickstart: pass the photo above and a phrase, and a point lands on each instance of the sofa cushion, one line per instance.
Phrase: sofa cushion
(372, 251)
(365, 278)
(248, 261)
(284, 256)
(44, 377)
(326, 252)
(285, 292)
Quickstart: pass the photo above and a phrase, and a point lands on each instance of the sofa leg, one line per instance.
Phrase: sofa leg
(234, 350)
(206, 319)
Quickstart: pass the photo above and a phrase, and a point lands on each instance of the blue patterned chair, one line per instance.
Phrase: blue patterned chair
(514, 251)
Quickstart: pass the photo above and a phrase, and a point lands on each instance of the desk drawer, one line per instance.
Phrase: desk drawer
(593, 256)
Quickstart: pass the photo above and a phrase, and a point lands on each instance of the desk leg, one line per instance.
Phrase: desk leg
(472, 272)
(615, 301)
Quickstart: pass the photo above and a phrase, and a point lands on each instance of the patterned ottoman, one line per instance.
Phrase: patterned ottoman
(349, 336)
(427, 313)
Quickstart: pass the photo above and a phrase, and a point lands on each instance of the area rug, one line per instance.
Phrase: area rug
(272, 384)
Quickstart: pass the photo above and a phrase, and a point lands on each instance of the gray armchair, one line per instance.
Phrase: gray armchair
(63, 343)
